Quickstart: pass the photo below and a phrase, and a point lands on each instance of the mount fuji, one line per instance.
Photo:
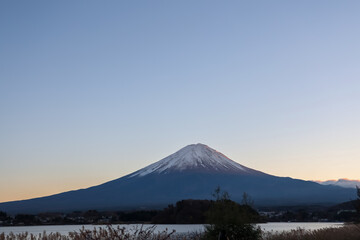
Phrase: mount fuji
(193, 172)
(195, 158)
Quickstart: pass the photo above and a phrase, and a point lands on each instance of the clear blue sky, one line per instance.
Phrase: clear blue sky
(93, 90)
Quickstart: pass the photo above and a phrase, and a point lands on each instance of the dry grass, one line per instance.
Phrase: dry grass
(348, 232)
(107, 233)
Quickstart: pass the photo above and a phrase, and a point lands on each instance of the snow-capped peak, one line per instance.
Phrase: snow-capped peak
(194, 157)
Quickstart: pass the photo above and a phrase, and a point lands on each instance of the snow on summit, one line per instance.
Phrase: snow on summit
(194, 157)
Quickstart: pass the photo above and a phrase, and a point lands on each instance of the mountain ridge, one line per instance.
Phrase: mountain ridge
(342, 182)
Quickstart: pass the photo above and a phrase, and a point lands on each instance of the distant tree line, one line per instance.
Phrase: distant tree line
(78, 217)
(193, 212)
(183, 212)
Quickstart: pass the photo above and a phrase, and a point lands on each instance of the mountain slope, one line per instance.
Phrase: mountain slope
(192, 172)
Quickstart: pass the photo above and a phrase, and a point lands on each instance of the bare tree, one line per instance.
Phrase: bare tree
(357, 202)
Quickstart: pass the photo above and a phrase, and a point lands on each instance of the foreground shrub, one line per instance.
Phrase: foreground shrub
(232, 232)
(230, 221)
(357, 204)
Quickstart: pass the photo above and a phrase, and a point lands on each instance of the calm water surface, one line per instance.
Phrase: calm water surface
(179, 228)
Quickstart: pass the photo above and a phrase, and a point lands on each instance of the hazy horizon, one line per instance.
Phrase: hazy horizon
(91, 91)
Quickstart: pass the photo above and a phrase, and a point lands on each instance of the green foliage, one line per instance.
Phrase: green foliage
(229, 220)
(184, 212)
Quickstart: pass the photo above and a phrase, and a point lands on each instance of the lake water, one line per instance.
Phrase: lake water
(179, 228)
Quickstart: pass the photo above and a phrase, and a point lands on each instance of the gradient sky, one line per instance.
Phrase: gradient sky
(93, 90)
